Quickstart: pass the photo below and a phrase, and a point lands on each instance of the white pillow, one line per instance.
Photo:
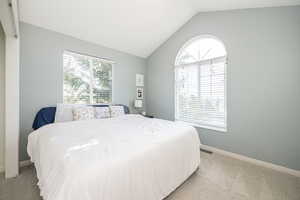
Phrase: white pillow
(116, 111)
(64, 112)
(102, 112)
(83, 113)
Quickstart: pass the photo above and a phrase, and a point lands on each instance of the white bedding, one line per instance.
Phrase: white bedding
(124, 158)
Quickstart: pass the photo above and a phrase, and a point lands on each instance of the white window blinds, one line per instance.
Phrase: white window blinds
(87, 79)
(200, 93)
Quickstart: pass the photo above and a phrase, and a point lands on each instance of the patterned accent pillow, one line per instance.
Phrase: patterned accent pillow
(116, 111)
(83, 113)
(102, 112)
(64, 112)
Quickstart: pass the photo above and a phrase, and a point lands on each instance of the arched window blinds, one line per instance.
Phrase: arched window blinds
(200, 83)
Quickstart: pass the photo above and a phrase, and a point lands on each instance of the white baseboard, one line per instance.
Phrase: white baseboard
(25, 163)
(225, 153)
(253, 161)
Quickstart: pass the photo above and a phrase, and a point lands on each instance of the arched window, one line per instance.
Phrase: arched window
(200, 83)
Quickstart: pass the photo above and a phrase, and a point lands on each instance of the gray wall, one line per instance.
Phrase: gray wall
(41, 73)
(263, 81)
(2, 95)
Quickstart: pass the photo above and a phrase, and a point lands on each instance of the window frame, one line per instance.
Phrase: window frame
(176, 65)
(113, 63)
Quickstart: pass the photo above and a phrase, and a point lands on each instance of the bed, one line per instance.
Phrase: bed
(129, 157)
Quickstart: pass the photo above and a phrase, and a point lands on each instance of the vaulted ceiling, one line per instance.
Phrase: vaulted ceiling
(137, 27)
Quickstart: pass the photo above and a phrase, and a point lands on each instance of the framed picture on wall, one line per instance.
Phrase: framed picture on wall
(139, 93)
(139, 80)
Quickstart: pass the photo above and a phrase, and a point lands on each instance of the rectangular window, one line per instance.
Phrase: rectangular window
(87, 79)
(200, 94)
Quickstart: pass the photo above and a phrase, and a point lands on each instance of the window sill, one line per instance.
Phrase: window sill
(224, 130)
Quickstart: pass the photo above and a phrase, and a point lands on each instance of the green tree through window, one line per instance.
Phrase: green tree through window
(87, 79)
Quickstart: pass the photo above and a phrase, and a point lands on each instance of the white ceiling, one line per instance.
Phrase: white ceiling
(137, 27)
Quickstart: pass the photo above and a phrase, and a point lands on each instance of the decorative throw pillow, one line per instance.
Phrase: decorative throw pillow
(84, 113)
(116, 111)
(64, 112)
(102, 112)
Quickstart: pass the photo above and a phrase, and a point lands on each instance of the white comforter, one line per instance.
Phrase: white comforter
(124, 158)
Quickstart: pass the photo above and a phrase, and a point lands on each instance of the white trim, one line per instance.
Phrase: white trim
(8, 17)
(106, 60)
(222, 59)
(253, 161)
(12, 107)
(203, 62)
(23, 163)
(187, 43)
(10, 23)
(210, 127)
(15, 16)
(279, 168)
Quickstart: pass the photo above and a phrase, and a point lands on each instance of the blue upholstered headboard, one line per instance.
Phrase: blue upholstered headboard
(47, 115)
